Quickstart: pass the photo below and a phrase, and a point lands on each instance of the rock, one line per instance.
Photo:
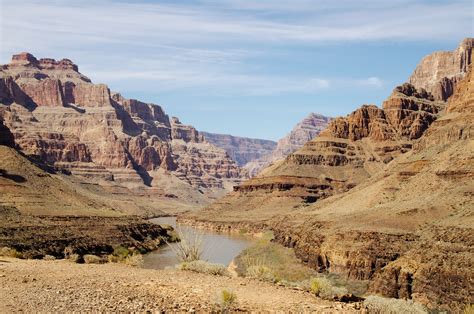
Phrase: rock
(241, 149)
(383, 194)
(58, 115)
(303, 132)
(439, 72)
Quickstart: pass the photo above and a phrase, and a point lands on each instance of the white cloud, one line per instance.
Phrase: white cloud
(175, 46)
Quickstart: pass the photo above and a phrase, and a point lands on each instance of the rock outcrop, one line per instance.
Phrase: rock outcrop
(241, 149)
(439, 72)
(58, 115)
(384, 194)
(303, 132)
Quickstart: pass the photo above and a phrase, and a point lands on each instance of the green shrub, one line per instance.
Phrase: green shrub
(10, 252)
(469, 309)
(228, 299)
(135, 260)
(376, 304)
(269, 261)
(204, 267)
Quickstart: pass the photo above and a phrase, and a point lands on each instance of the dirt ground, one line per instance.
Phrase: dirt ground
(63, 286)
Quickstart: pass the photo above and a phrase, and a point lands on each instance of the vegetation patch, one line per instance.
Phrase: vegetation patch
(10, 252)
(376, 304)
(269, 261)
(189, 246)
(228, 300)
(272, 262)
(125, 255)
(204, 267)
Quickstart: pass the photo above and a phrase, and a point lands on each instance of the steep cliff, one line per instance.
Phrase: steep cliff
(58, 115)
(383, 194)
(303, 132)
(241, 149)
(439, 72)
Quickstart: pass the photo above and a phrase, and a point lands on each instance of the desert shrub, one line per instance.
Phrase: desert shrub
(10, 252)
(320, 285)
(190, 246)
(205, 268)
(126, 256)
(75, 258)
(93, 259)
(469, 309)
(121, 252)
(49, 258)
(228, 299)
(261, 272)
(135, 260)
(376, 304)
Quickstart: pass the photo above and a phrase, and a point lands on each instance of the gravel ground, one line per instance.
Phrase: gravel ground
(62, 286)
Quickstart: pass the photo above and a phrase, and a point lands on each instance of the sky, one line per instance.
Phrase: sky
(240, 67)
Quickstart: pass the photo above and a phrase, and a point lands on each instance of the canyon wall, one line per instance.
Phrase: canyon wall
(241, 149)
(58, 115)
(383, 194)
(303, 132)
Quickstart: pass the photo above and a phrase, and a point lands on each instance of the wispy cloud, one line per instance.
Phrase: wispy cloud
(210, 42)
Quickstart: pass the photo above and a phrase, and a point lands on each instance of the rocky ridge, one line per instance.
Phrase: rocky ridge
(383, 194)
(58, 115)
(241, 149)
(439, 72)
(303, 132)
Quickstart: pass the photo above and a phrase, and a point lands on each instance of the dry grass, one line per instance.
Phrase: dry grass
(376, 304)
(204, 267)
(228, 300)
(10, 252)
(272, 262)
(190, 246)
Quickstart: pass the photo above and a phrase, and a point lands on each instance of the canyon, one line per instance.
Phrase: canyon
(383, 194)
(57, 115)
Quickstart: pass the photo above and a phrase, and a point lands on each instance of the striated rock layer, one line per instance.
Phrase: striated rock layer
(439, 72)
(241, 149)
(384, 194)
(302, 133)
(58, 115)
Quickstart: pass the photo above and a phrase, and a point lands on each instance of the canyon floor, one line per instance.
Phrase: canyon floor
(60, 285)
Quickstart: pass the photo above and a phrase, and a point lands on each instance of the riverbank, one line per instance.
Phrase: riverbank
(60, 236)
(62, 286)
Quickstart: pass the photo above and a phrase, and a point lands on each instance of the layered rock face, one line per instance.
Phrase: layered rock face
(303, 132)
(439, 72)
(241, 149)
(409, 229)
(60, 116)
(392, 193)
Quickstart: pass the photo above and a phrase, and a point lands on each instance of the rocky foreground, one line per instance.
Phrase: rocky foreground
(62, 286)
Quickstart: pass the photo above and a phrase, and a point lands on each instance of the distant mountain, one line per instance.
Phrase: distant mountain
(303, 132)
(241, 149)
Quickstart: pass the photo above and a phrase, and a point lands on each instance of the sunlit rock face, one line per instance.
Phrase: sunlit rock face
(57, 114)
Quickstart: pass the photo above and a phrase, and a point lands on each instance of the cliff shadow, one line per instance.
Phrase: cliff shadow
(14, 177)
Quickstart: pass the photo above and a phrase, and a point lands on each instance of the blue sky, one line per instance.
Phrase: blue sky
(249, 68)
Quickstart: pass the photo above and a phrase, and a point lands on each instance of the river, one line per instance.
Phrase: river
(218, 247)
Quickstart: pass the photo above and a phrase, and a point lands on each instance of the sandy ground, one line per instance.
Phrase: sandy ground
(62, 286)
